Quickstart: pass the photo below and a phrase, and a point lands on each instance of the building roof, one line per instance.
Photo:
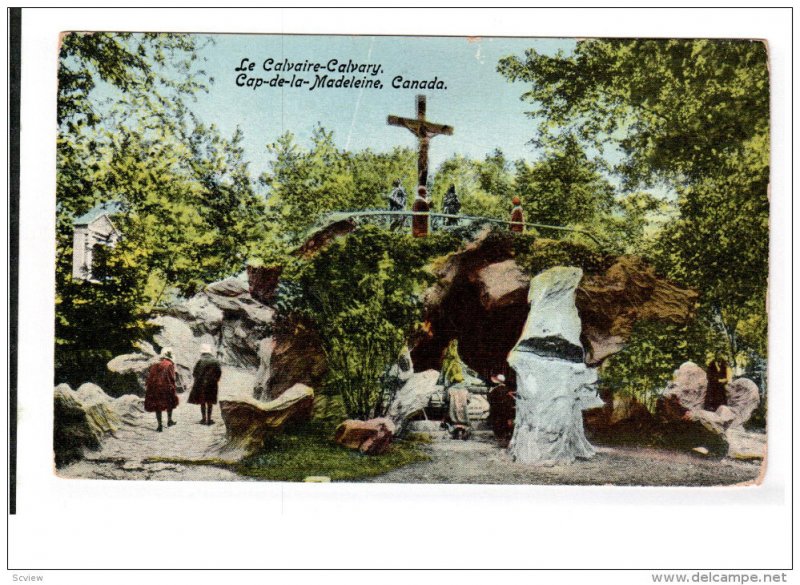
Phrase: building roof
(107, 208)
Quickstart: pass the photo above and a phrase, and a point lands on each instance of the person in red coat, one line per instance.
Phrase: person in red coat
(419, 223)
(205, 388)
(517, 218)
(160, 388)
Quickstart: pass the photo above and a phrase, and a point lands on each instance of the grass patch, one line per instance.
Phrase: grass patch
(307, 449)
(293, 457)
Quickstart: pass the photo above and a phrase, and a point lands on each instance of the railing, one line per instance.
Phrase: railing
(461, 220)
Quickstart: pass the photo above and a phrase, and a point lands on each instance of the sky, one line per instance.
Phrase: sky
(483, 107)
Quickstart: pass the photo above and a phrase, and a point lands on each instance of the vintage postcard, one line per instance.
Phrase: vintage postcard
(412, 259)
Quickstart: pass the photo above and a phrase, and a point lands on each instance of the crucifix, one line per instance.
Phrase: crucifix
(424, 131)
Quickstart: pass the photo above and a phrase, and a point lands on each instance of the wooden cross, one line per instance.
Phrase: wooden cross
(424, 131)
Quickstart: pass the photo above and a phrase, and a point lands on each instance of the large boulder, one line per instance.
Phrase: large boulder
(129, 409)
(480, 299)
(742, 398)
(629, 290)
(371, 437)
(414, 397)
(687, 429)
(202, 315)
(502, 284)
(290, 358)
(223, 315)
(746, 445)
(249, 421)
(228, 287)
(554, 385)
(320, 238)
(79, 425)
(688, 386)
(134, 365)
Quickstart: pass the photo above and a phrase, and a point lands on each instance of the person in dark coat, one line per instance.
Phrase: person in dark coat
(397, 202)
(160, 388)
(718, 375)
(451, 205)
(502, 410)
(206, 383)
(419, 223)
(517, 217)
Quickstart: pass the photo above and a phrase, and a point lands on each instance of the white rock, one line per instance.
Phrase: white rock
(746, 445)
(553, 327)
(554, 385)
(229, 287)
(413, 396)
(90, 394)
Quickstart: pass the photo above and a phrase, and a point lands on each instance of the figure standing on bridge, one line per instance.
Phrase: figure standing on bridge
(397, 202)
(451, 205)
(420, 222)
(517, 218)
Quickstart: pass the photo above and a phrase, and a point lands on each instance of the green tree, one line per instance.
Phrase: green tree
(691, 114)
(565, 188)
(190, 213)
(483, 187)
(362, 294)
(305, 185)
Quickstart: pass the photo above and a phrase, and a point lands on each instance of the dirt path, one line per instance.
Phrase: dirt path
(135, 448)
(137, 451)
(482, 461)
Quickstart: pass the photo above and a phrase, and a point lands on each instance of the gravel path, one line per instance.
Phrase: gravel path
(130, 452)
(482, 461)
(134, 450)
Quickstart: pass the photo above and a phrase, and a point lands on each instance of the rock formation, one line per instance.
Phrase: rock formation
(413, 397)
(679, 421)
(322, 237)
(289, 359)
(371, 437)
(263, 281)
(611, 302)
(249, 421)
(82, 418)
(743, 398)
(480, 299)
(688, 386)
(224, 315)
(554, 386)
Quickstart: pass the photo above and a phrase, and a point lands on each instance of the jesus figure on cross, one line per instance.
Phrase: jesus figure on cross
(424, 131)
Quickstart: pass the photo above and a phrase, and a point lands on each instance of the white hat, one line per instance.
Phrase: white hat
(206, 348)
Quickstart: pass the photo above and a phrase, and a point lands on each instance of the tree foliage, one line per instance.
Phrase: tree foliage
(690, 114)
(305, 184)
(363, 295)
(189, 206)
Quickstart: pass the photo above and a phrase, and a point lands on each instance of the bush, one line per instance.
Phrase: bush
(362, 294)
(653, 352)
